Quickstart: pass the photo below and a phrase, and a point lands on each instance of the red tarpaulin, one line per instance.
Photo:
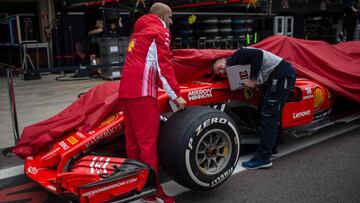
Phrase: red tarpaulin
(336, 66)
(82, 115)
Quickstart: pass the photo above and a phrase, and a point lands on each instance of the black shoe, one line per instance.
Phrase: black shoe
(256, 163)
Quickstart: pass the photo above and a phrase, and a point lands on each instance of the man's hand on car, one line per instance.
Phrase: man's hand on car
(250, 83)
(181, 102)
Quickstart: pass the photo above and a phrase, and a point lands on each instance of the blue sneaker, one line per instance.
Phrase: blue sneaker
(256, 163)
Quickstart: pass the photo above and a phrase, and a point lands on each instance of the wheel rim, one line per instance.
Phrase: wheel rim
(213, 152)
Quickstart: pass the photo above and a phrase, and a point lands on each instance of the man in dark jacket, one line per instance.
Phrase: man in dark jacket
(147, 66)
(278, 76)
(349, 20)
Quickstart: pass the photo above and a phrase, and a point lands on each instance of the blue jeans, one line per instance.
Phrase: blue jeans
(272, 105)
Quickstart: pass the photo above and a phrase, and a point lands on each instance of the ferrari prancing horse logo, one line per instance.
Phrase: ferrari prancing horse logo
(248, 93)
(131, 45)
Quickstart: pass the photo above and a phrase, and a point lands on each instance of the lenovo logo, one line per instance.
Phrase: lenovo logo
(301, 114)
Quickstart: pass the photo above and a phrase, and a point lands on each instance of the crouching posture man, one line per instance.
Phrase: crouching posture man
(278, 76)
(146, 66)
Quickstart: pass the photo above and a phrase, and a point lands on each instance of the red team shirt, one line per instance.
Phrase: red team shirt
(147, 64)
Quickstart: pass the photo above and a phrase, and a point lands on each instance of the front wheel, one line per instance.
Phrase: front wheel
(199, 147)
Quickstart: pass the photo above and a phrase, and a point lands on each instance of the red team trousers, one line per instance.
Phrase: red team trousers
(142, 123)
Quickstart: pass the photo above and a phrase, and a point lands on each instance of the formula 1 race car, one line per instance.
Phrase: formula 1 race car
(199, 147)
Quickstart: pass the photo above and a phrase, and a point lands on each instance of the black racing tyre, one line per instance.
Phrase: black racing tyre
(199, 147)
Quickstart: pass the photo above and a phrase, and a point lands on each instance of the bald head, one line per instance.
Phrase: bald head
(159, 8)
(163, 11)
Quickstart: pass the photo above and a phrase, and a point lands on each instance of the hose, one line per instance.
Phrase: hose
(71, 78)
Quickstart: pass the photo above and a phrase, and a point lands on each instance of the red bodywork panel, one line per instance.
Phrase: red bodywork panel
(311, 98)
(86, 178)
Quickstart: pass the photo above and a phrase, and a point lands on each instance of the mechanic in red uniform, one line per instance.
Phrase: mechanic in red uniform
(148, 65)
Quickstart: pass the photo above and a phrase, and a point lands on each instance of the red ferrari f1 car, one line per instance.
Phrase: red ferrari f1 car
(198, 147)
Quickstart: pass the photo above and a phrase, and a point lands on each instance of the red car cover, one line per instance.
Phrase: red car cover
(336, 66)
(82, 115)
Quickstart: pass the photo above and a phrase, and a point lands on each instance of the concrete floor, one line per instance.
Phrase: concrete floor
(37, 100)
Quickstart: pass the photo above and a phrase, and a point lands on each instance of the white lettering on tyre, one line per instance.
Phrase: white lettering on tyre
(228, 172)
(208, 122)
(214, 120)
(222, 120)
(222, 177)
(190, 143)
